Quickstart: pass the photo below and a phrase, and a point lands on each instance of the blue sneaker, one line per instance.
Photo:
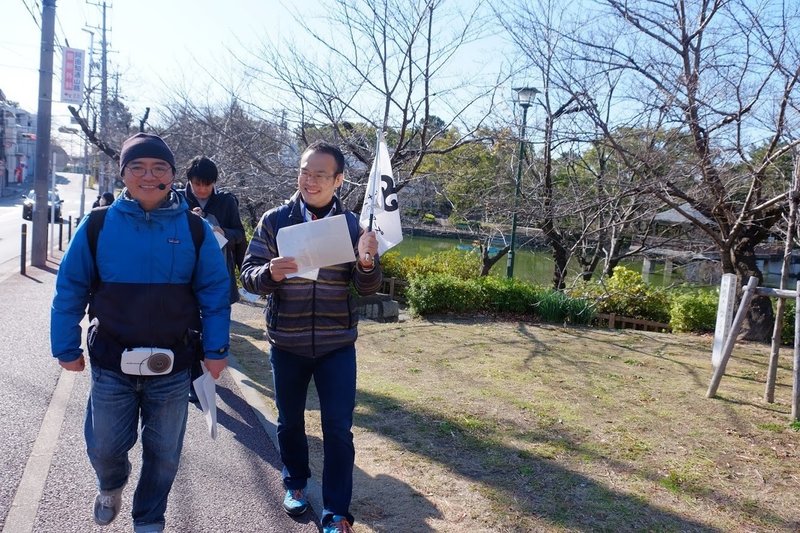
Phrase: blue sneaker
(338, 524)
(295, 502)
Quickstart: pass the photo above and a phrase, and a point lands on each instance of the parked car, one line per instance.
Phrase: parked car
(30, 201)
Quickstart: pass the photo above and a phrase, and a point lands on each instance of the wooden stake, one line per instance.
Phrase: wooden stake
(744, 306)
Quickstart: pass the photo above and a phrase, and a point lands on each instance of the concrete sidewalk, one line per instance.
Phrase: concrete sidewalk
(231, 484)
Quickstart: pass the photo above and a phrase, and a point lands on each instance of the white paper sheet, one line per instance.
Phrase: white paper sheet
(220, 239)
(206, 390)
(316, 244)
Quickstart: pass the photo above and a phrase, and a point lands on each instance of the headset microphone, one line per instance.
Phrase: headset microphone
(161, 187)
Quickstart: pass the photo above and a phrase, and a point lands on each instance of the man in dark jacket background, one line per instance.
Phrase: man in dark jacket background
(220, 209)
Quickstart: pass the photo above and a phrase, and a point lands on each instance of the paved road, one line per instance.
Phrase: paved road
(69, 188)
(231, 484)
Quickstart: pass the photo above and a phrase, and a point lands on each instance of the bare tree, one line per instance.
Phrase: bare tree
(378, 66)
(710, 84)
(256, 157)
(722, 74)
(586, 207)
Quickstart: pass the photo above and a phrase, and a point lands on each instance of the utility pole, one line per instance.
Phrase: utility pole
(104, 185)
(43, 120)
(3, 162)
(89, 91)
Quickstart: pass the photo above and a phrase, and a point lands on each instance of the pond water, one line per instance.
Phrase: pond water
(529, 265)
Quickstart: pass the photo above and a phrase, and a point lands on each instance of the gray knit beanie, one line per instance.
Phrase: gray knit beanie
(145, 145)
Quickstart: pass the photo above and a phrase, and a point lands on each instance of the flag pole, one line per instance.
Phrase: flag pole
(372, 192)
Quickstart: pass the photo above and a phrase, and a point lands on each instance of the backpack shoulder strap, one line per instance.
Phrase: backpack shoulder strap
(97, 217)
(198, 232)
(353, 226)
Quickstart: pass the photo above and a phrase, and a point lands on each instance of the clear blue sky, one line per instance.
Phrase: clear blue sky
(154, 43)
(158, 45)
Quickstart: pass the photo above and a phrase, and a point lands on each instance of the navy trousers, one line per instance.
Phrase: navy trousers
(335, 380)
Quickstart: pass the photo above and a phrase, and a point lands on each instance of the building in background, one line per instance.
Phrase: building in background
(18, 148)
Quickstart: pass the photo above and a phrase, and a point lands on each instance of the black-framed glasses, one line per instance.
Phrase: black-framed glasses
(316, 177)
(157, 171)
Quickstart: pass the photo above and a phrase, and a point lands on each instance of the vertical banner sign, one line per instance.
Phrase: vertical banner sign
(72, 66)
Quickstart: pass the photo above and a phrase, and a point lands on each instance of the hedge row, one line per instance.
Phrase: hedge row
(448, 282)
(442, 293)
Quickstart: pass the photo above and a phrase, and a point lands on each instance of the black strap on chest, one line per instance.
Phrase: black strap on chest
(97, 217)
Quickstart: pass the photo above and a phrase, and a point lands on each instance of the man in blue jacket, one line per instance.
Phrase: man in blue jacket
(151, 290)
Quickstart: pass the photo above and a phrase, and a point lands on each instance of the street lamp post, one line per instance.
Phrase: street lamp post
(525, 97)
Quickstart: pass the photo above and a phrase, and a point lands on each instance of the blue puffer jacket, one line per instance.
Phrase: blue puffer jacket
(154, 290)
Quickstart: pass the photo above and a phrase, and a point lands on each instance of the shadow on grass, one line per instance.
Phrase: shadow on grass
(531, 485)
(536, 486)
(700, 374)
(517, 481)
(247, 429)
(525, 486)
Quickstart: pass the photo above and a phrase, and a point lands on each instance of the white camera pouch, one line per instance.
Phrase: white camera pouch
(147, 361)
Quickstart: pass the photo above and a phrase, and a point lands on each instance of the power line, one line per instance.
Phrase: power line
(35, 20)
(66, 41)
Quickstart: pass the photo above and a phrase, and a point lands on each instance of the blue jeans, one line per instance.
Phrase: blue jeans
(335, 379)
(116, 403)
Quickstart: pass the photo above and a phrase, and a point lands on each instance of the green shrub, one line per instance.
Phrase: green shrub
(580, 311)
(509, 295)
(443, 293)
(392, 265)
(458, 263)
(557, 307)
(694, 311)
(428, 218)
(626, 294)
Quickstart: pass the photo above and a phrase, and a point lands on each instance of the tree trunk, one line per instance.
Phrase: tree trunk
(760, 318)
(560, 257)
(488, 262)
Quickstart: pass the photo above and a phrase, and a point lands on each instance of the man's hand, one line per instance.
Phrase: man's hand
(198, 211)
(74, 366)
(279, 267)
(367, 249)
(215, 366)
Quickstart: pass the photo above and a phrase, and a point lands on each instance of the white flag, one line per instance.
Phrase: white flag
(380, 201)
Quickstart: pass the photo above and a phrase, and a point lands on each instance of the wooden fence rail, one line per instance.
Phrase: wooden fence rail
(614, 321)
